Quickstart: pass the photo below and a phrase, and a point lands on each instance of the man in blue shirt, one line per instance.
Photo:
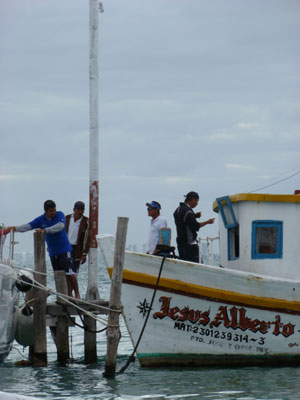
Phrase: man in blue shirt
(52, 222)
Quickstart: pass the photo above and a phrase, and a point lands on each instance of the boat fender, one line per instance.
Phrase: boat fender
(24, 281)
(24, 329)
(27, 310)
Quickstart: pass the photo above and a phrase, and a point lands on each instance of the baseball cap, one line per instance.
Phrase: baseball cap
(191, 195)
(154, 204)
(79, 205)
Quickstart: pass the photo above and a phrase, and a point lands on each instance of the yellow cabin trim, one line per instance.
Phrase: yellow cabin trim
(275, 198)
(218, 294)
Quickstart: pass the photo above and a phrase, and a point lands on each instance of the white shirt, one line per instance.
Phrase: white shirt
(73, 230)
(156, 225)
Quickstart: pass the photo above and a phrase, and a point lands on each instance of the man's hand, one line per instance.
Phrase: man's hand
(198, 214)
(40, 230)
(10, 228)
(211, 221)
(83, 259)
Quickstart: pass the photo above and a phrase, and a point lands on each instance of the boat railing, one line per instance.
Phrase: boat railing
(210, 256)
(12, 242)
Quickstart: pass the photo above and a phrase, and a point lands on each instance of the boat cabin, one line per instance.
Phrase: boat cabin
(260, 233)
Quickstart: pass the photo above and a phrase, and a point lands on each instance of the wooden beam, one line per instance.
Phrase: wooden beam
(39, 356)
(113, 329)
(61, 333)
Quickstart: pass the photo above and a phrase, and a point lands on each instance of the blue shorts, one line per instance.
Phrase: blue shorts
(63, 262)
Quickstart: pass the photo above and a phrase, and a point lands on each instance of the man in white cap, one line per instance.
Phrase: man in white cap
(157, 222)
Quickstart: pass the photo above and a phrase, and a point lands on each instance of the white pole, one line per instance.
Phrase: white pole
(92, 290)
(200, 251)
(11, 245)
(1, 243)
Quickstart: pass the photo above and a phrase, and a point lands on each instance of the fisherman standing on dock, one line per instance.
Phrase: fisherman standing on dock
(52, 222)
(157, 222)
(77, 228)
(187, 228)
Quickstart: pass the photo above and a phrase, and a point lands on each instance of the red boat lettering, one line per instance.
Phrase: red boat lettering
(184, 314)
(164, 311)
(221, 317)
(234, 318)
(286, 329)
(172, 313)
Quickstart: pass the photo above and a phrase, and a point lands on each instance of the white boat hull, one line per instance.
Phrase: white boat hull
(193, 331)
(204, 315)
(9, 297)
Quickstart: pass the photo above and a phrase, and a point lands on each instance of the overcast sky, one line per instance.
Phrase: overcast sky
(194, 95)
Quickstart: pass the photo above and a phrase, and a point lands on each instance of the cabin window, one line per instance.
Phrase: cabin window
(227, 213)
(233, 242)
(266, 239)
(232, 226)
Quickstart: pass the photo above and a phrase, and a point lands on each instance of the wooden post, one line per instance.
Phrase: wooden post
(39, 357)
(90, 340)
(113, 330)
(61, 331)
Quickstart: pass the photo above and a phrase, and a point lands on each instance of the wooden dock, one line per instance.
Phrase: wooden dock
(60, 315)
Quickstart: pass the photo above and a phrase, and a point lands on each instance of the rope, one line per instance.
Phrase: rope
(81, 326)
(15, 348)
(71, 359)
(60, 295)
(13, 265)
(131, 357)
(65, 298)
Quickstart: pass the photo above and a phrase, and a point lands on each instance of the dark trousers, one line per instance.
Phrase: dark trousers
(189, 252)
(76, 263)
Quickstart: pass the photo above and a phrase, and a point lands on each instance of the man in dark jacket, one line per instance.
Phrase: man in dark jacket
(187, 228)
(77, 228)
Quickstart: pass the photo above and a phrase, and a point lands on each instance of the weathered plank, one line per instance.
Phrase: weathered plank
(113, 329)
(62, 326)
(39, 356)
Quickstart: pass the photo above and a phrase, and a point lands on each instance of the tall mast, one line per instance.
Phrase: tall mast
(92, 290)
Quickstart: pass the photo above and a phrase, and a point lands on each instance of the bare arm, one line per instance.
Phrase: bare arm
(209, 221)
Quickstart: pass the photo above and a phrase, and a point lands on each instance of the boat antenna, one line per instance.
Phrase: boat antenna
(275, 183)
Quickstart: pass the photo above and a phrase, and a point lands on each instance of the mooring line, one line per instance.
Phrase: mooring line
(131, 357)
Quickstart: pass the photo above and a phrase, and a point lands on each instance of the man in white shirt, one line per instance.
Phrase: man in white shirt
(77, 228)
(157, 222)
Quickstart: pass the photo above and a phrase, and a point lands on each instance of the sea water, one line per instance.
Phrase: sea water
(86, 382)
